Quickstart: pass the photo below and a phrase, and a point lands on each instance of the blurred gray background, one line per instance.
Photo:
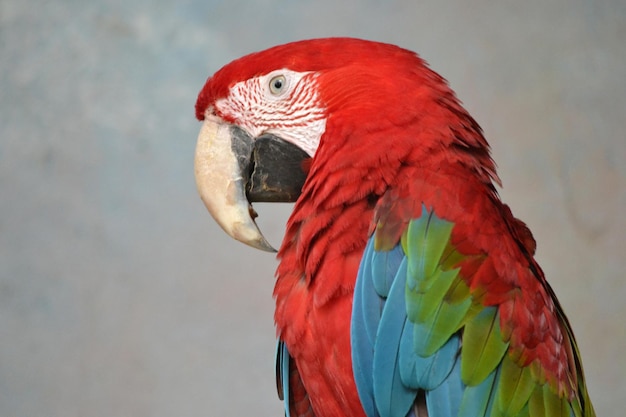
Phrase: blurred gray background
(119, 296)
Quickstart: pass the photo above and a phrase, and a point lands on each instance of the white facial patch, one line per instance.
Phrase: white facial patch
(284, 103)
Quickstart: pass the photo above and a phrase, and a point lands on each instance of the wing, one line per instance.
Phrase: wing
(289, 385)
(425, 329)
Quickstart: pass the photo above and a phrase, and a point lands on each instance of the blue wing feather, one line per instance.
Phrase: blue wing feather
(384, 267)
(372, 303)
(426, 372)
(445, 400)
(376, 274)
(392, 396)
(282, 374)
(364, 316)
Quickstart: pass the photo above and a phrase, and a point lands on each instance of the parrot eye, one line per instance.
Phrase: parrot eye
(277, 84)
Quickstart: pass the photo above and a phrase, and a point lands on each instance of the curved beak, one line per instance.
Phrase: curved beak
(233, 170)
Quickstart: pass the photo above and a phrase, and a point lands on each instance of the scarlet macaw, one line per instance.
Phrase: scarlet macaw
(405, 286)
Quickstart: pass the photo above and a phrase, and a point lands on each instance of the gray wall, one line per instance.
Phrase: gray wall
(119, 296)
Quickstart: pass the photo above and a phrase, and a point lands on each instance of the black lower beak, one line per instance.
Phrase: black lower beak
(276, 172)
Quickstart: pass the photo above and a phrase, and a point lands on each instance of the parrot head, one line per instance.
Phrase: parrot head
(273, 118)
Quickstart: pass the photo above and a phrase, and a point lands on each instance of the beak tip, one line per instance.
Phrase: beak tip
(250, 234)
(265, 246)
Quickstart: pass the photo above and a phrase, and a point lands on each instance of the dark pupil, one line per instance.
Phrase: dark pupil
(278, 84)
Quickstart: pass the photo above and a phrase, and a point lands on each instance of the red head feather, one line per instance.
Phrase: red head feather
(369, 86)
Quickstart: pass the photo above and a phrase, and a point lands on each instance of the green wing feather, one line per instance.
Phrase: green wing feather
(483, 346)
(516, 386)
(437, 298)
(440, 304)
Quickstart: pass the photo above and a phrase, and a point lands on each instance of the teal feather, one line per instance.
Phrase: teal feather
(282, 375)
(371, 301)
(478, 399)
(445, 400)
(393, 398)
(384, 265)
(425, 372)
(365, 319)
(376, 275)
